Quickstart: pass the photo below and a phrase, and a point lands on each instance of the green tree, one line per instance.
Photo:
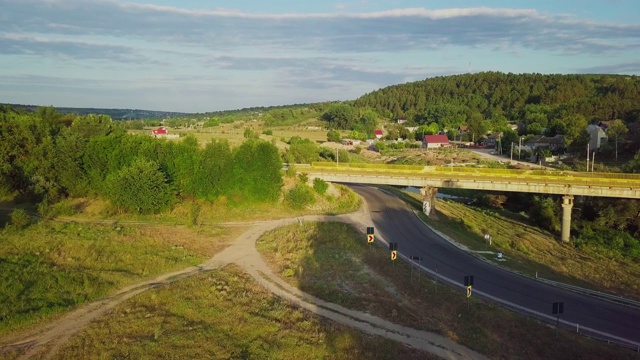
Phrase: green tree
(617, 130)
(333, 136)
(477, 126)
(257, 171)
(140, 188)
(543, 212)
(303, 151)
(213, 175)
(341, 116)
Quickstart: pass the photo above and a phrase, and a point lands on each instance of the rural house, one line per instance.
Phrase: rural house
(435, 141)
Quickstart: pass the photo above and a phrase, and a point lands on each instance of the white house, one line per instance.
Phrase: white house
(597, 137)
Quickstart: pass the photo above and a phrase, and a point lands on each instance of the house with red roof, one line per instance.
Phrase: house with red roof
(159, 131)
(378, 134)
(435, 141)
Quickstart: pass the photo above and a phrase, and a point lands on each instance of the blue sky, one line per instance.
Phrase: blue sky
(198, 56)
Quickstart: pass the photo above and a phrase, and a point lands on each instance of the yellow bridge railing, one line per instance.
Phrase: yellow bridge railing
(481, 174)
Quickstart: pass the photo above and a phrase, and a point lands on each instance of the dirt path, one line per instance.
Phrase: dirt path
(46, 340)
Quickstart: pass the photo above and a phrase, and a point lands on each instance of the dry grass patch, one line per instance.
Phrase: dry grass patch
(223, 314)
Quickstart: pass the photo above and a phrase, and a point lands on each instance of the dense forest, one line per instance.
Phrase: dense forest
(596, 97)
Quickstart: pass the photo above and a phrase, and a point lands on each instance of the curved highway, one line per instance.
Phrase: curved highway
(396, 222)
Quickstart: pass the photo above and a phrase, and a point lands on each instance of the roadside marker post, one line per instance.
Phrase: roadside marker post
(370, 236)
(468, 282)
(415, 258)
(393, 247)
(436, 282)
(557, 309)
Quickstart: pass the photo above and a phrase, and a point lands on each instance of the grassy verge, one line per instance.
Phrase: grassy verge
(338, 200)
(333, 261)
(50, 268)
(531, 250)
(223, 314)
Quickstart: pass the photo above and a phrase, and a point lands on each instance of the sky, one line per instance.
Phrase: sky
(200, 56)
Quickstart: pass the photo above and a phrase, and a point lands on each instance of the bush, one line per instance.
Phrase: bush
(333, 136)
(140, 187)
(299, 197)
(380, 146)
(320, 186)
(268, 132)
(19, 219)
(304, 178)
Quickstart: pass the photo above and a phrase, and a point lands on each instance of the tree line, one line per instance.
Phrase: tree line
(47, 156)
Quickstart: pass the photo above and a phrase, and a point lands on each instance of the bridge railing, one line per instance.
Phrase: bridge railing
(410, 171)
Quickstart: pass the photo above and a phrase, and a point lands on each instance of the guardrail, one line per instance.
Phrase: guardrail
(610, 297)
(455, 174)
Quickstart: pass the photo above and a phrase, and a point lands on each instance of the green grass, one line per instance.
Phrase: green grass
(332, 261)
(223, 314)
(50, 268)
(530, 250)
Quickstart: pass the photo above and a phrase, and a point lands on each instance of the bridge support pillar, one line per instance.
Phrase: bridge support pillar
(429, 199)
(567, 206)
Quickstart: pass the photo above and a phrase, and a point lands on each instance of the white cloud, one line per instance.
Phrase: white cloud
(261, 57)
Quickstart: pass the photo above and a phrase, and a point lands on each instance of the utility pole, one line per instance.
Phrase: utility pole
(519, 147)
(588, 156)
(512, 151)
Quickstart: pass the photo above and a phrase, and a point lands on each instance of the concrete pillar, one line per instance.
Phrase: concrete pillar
(567, 205)
(429, 199)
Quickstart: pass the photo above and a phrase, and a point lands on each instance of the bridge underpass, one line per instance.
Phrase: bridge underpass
(429, 179)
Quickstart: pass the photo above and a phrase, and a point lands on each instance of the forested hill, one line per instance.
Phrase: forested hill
(115, 114)
(596, 97)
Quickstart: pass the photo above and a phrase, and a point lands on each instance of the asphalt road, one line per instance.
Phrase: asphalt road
(396, 222)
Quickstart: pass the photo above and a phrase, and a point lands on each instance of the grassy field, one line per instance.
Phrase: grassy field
(234, 133)
(530, 250)
(52, 267)
(223, 314)
(333, 261)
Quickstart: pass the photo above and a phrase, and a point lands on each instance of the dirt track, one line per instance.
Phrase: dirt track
(46, 340)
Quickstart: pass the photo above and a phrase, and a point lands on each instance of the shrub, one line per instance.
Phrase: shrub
(299, 197)
(140, 187)
(19, 219)
(268, 132)
(304, 178)
(320, 186)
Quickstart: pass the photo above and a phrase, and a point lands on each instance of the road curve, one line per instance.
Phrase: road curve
(396, 222)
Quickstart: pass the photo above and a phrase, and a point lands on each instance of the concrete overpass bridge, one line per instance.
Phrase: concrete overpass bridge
(430, 178)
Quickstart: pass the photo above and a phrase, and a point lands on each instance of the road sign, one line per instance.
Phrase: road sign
(370, 230)
(394, 254)
(415, 258)
(468, 280)
(469, 291)
(370, 238)
(558, 308)
(393, 246)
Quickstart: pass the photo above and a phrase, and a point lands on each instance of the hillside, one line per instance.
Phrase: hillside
(596, 97)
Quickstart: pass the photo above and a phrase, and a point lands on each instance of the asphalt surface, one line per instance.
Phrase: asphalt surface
(396, 222)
